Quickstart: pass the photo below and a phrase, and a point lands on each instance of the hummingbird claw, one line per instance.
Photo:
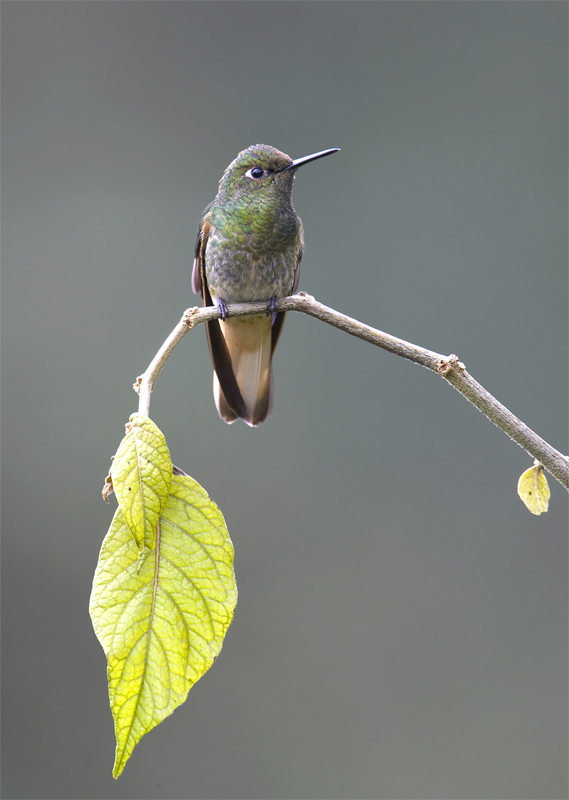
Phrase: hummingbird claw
(272, 306)
(222, 308)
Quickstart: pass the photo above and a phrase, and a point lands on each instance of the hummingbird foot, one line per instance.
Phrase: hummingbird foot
(272, 307)
(222, 308)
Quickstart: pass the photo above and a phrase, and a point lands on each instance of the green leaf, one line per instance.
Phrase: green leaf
(141, 475)
(161, 615)
(533, 489)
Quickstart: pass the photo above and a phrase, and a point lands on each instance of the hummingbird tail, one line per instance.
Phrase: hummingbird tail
(249, 346)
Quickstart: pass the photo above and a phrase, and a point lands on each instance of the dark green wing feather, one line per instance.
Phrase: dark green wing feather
(216, 341)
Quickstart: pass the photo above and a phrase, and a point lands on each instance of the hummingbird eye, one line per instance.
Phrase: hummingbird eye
(255, 172)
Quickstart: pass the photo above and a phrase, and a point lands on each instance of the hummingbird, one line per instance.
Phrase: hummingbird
(249, 246)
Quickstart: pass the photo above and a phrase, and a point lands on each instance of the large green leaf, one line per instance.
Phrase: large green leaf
(141, 475)
(161, 615)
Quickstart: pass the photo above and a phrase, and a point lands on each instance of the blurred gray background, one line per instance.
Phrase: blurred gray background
(401, 630)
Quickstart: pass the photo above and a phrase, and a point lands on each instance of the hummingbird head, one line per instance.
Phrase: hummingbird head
(262, 173)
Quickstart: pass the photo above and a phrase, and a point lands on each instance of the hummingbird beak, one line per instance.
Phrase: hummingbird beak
(305, 159)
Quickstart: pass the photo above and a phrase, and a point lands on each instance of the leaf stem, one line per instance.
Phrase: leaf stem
(448, 367)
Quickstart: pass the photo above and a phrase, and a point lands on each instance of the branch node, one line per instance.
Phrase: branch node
(138, 383)
(449, 364)
(305, 296)
(189, 316)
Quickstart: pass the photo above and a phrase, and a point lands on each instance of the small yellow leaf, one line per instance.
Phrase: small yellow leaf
(534, 490)
(141, 475)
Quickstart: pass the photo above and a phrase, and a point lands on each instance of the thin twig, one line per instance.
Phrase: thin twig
(449, 367)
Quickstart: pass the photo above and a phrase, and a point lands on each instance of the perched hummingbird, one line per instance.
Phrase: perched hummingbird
(248, 249)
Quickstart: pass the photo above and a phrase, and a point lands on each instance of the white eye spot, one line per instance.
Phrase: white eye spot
(255, 173)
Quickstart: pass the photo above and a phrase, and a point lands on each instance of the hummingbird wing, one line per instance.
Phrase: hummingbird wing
(235, 405)
(203, 233)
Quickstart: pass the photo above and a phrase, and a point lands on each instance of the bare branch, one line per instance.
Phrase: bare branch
(448, 367)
